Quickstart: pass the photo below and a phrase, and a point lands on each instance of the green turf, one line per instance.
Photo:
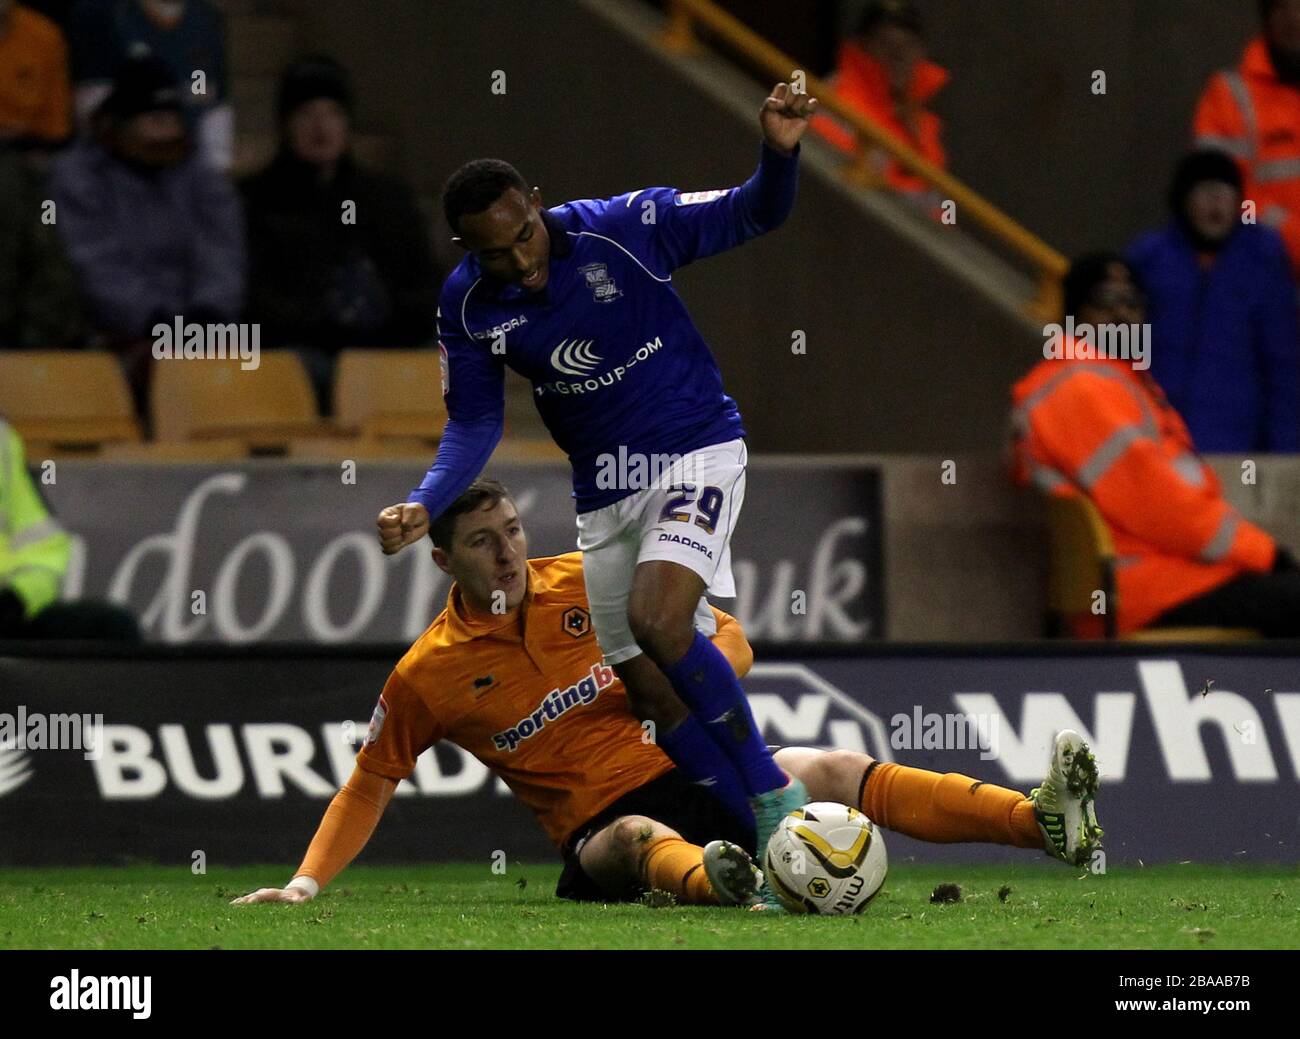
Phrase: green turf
(468, 907)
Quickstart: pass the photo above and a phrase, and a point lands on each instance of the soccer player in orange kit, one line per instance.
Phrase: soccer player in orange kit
(511, 672)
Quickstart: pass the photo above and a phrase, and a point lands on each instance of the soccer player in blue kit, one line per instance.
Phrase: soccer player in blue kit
(579, 300)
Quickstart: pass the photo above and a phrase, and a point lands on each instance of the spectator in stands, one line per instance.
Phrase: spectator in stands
(340, 256)
(35, 96)
(188, 36)
(39, 304)
(883, 73)
(34, 552)
(1097, 426)
(153, 232)
(1225, 334)
(1253, 113)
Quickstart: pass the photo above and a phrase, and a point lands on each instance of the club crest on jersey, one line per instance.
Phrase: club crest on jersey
(576, 621)
(377, 720)
(694, 198)
(603, 289)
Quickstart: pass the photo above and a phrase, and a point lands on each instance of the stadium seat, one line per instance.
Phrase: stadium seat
(176, 451)
(1082, 562)
(263, 407)
(60, 400)
(514, 450)
(384, 394)
(335, 449)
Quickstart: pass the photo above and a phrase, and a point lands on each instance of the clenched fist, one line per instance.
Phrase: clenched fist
(784, 117)
(401, 525)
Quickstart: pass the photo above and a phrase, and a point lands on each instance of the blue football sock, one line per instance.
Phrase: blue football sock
(700, 760)
(709, 687)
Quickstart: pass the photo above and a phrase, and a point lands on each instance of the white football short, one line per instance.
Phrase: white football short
(685, 514)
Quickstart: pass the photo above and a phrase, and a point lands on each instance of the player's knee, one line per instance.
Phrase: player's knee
(832, 775)
(660, 632)
(631, 833)
(844, 771)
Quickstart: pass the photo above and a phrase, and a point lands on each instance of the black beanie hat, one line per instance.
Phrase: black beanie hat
(309, 78)
(897, 12)
(1198, 167)
(1086, 273)
(142, 85)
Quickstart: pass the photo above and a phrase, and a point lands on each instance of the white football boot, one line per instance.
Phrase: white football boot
(1064, 804)
(735, 878)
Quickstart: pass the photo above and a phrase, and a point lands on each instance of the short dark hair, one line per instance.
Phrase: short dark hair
(1086, 273)
(889, 12)
(476, 185)
(476, 495)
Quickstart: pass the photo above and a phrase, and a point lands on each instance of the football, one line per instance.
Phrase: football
(826, 858)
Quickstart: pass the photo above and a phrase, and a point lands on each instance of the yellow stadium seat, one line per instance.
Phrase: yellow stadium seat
(177, 451)
(389, 394)
(66, 399)
(1082, 562)
(264, 407)
(337, 449)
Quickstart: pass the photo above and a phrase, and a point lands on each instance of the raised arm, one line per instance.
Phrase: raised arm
(667, 228)
(473, 386)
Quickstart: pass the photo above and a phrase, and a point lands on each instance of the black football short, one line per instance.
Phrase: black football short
(669, 799)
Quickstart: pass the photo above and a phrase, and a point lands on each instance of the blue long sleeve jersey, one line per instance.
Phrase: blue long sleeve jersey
(613, 357)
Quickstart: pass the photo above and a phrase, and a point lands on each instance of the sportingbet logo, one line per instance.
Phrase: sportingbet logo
(554, 706)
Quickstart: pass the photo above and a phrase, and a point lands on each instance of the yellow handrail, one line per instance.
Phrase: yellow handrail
(1049, 265)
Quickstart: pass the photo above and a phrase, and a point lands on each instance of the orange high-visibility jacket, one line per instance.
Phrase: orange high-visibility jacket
(1255, 117)
(1099, 428)
(862, 81)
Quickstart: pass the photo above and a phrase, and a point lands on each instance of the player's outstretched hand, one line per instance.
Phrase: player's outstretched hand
(784, 117)
(401, 525)
(273, 894)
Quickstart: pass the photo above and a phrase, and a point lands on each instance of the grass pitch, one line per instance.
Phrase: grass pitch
(1021, 906)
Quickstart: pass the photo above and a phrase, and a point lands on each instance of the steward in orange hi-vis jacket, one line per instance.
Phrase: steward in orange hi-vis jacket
(1090, 420)
(1252, 112)
(1098, 427)
(882, 72)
